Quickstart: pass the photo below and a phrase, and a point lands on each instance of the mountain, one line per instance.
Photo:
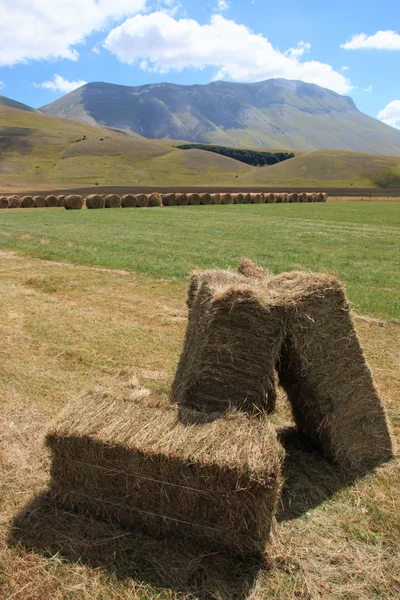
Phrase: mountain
(14, 104)
(273, 114)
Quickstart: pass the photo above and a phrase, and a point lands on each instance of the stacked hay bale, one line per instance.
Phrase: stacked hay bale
(40, 201)
(169, 199)
(137, 463)
(73, 202)
(194, 199)
(51, 201)
(216, 198)
(182, 200)
(112, 201)
(227, 198)
(14, 202)
(28, 202)
(232, 344)
(205, 199)
(129, 201)
(155, 200)
(4, 203)
(142, 201)
(60, 200)
(238, 198)
(94, 201)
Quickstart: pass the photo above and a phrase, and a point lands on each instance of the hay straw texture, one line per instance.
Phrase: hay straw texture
(95, 201)
(270, 198)
(51, 201)
(60, 200)
(155, 200)
(248, 199)
(182, 200)
(323, 197)
(40, 201)
(28, 202)
(4, 203)
(136, 463)
(142, 201)
(231, 347)
(73, 202)
(294, 198)
(206, 199)
(238, 199)
(279, 198)
(128, 201)
(216, 198)
(169, 199)
(194, 199)
(112, 201)
(227, 199)
(14, 202)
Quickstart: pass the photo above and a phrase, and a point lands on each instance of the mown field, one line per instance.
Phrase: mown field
(106, 309)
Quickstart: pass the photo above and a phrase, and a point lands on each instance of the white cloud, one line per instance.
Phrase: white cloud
(301, 48)
(59, 84)
(391, 114)
(2, 85)
(368, 88)
(345, 68)
(221, 5)
(381, 40)
(159, 43)
(48, 29)
(96, 49)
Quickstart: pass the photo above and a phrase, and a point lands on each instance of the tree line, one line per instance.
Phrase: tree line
(255, 158)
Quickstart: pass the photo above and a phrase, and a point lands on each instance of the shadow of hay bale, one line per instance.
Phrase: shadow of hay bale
(166, 564)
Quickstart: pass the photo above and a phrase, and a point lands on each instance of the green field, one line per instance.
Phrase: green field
(358, 242)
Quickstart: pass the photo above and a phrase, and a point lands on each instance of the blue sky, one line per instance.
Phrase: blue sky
(48, 47)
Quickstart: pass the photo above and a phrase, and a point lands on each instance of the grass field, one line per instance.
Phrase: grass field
(358, 242)
(113, 314)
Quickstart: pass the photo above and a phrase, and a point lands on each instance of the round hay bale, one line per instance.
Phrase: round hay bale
(270, 198)
(206, 199)
(4, 202)
(40, 201)
(51, 201)
(14, 202)
(294, 198)
(238, 198)
(28, 202)
(194, 199)
(112, 201)
(216, 198)
(155, 200)
(169, 199)
(73, 202)
(95, 201)
(285, 197)
(256, 198)
(128, 201)
(227, 199)
(60, 200)
(248, 199)
(279, 198)
(322, 197)
(142, 201)
(303, 197)
(182, 200)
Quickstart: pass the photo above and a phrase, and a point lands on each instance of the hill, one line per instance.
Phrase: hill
(4, 101)
(41, 151)
(274, 114)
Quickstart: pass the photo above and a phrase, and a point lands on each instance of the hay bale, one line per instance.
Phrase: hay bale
(238, 198)
(129, 201)
(194, 199)
(294, 198)
(257, 198)
(270, 198)
(138, 464)
(155, 200)
(142, 201)
(303, 197)
(112, 201)
(279, 198)
(250, 269)
(182, 200)
(216, 198)
(248, 198)
(28, 202)
(311, 197)
(205, 199)
(73, 202)
(169, 199)
(51, 201)
(285, 197)
(232, 343)
(4, 203)
(227, 199)
(95, 201)
(14, 202)
(60, 200)
(40, 201)
(322, 197)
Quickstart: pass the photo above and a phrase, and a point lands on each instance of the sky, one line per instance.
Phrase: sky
(50, 47)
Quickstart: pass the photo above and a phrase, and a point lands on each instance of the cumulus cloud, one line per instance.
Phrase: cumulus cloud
(345, 68)
(2, 85)
(59, 84)
(45, 29)
(391, 114)
(222, 5)
(157, 42)
(381, 40)
(368, 88)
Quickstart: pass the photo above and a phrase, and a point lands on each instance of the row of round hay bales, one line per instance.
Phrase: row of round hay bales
(31, 201)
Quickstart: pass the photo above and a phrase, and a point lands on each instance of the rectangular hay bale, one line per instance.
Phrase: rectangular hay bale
(137, 463)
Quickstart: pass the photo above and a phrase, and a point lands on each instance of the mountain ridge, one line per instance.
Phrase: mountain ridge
(274, 113)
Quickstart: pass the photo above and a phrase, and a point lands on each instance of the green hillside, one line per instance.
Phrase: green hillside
(14, 104)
